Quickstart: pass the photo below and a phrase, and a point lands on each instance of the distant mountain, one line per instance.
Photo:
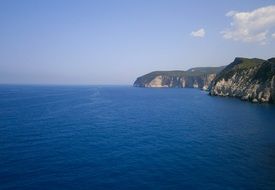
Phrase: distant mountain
(248, 79)
(199, 77)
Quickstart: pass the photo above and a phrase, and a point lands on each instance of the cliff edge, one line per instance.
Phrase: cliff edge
(199, 77)
(248, 79)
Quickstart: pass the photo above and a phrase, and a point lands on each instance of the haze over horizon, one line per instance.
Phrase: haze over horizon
(113, 42)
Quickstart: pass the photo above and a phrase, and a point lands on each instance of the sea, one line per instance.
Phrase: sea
(55, 137)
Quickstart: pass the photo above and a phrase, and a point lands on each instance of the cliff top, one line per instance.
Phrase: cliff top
(239, 64)
(197, 71)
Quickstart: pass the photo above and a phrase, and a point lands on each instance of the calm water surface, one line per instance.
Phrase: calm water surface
(119, 137)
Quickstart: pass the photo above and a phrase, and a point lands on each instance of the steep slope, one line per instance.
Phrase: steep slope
(200, 77)
(248, 79)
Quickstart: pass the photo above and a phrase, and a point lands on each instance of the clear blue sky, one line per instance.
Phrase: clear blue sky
(115, 41)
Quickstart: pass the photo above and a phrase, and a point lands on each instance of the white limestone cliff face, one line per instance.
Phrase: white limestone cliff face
(198, 77)
(160, 81)
(182, 82)
(208, 80)
(157, 82)
(246, 84)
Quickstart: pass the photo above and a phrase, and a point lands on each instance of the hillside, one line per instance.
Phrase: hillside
(199, 77)
(248, 79)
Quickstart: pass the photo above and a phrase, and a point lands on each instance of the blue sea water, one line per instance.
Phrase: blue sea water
(121, 137)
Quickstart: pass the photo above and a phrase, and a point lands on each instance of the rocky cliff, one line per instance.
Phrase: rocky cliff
(248, 79)
(200, 77)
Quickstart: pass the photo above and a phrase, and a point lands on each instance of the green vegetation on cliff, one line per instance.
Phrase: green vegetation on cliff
(263, 68)
(248, 79)
(238, 65)
(172, 75)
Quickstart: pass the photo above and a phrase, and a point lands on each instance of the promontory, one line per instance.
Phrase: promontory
(248, 79)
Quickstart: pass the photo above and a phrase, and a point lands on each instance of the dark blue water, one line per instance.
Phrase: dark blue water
(104, 137)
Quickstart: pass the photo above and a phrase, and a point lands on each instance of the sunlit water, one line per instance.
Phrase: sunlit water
(120, 137)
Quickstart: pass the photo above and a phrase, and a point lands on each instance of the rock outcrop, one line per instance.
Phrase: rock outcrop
(193, 78)
(248, 79)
